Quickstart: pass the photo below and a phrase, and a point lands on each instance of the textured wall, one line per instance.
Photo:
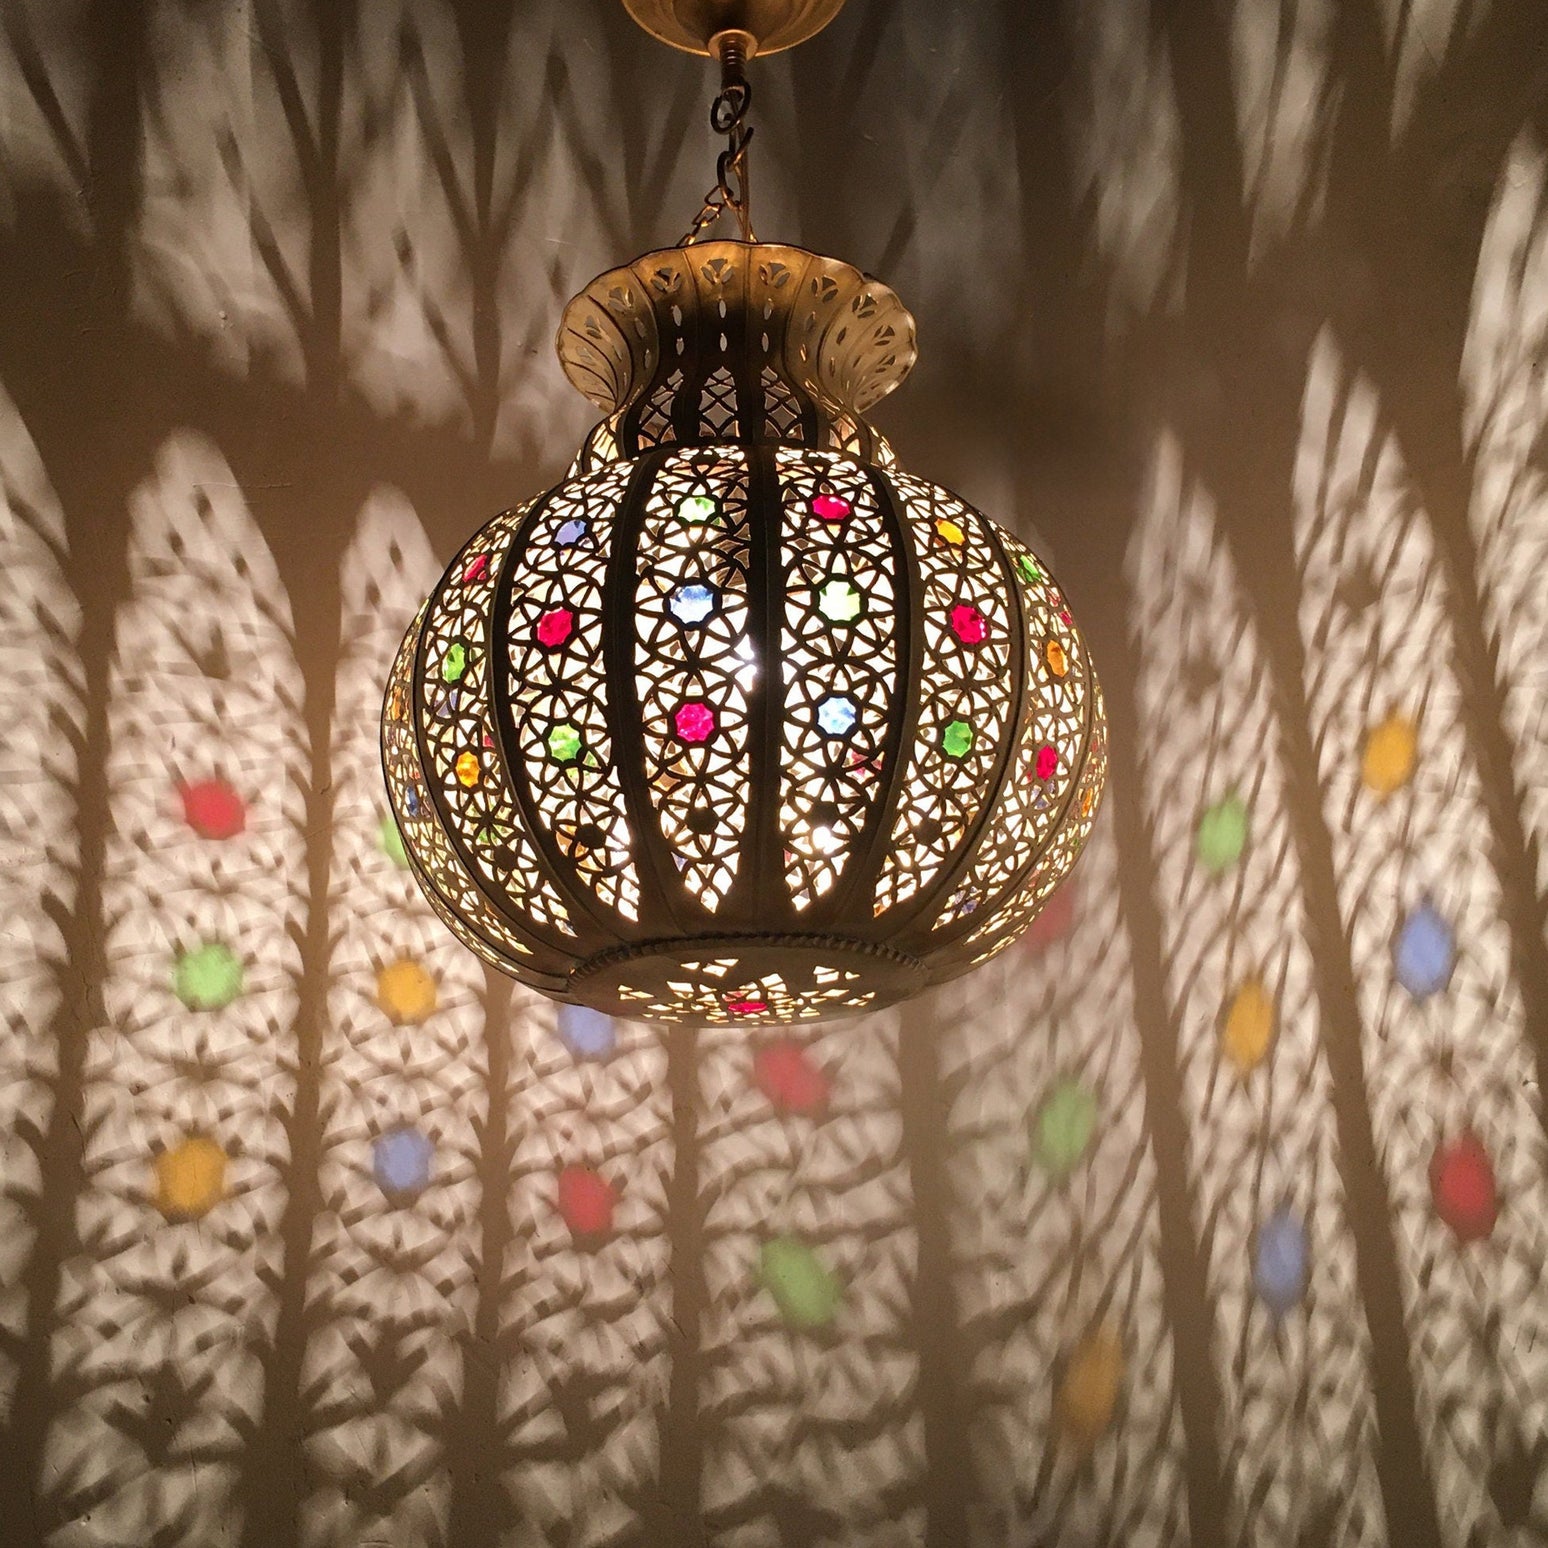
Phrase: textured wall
(1215, 1214)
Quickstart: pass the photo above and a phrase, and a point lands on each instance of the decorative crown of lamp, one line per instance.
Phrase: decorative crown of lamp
(740, 722)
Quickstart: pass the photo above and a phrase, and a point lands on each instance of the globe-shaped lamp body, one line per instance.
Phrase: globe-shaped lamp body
(740, 722)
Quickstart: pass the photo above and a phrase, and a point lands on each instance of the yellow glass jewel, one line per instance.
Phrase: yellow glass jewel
(948, 531)
(1248, 1031)
(467, 769)
(405, 992)
(1058, 662)
(190, 1178)
(1088, 1394)
(1390, 753)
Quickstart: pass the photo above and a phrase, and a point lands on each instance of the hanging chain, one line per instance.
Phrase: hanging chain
(728, 115)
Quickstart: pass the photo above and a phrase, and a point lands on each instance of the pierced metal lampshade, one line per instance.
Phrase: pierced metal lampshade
(740, 721)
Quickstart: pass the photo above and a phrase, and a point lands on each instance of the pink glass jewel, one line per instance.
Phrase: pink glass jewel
(555, 627)
(746, 1005)
(695, 721)
(831, 507)
(967, 623)
(477, 570)
(1047, 762)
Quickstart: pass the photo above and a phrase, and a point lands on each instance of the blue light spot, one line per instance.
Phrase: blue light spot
(837, 714)
(692, 604)
(571, 532)
(1425, 952)
(1280, 1263)
(400, 1159)
(587, 1033)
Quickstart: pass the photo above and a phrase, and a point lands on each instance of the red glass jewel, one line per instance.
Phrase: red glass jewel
(831, 507)
(477, 570)
(967, 623)
(1047, 762)
(788, 1078)
(555, 627)
(695, 721)
(586, 1201)
(213, 809)
(1463, 1187)
(746, 1005)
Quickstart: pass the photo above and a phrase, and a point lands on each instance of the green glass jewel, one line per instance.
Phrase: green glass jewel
(806, 1294)
(456, 662)
(564, 743)
(957, 739)
(390, 841)
(209, 977)
(1222, 834)
(1028, 571)
(839, 602)
(697, 508)
(1063, 1128)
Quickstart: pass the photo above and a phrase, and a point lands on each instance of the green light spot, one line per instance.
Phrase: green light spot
(390, 841)
(1222, 833)
(456, 662)
(1028, 571)
(209, 977)
(806, 1294)
(696, 508)
(564, 743)
(839, 602)
(957, 739)
(1063, 1127)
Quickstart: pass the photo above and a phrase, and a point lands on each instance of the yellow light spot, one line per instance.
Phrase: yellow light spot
(1088, 1395)
(1390, 749)
(950, 532)
(190, 1178)
(1248, 1031)
(405, 992)
(467, 768)
(1058, 662)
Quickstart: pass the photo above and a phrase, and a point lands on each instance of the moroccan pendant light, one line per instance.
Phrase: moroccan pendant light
(741, 722)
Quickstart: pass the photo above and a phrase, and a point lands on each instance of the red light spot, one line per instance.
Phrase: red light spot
(477, 570)
(555, 627)
(1047, 762)
(213, 809)
(695, 721)
(1462, 1184)
(1054, 922)
(788, 1078)
(967, 623)
(831, 507)
(746, 1005)
(586, 1201)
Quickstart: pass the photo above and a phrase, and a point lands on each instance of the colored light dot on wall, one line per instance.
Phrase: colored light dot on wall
(831, 507)
(1027, 570)
(1053, 921)
(1047, 764)
(957, 739)
(587, 1033)
(949, 532)
(836, 714)
(1280, 1261)
(209, 977)
(586, 1202)
(213, 809)
(564, 743)
(839, 602)
(1424, 953)
(1222, 833)
(400, 1161)
(455, 662)
(692, 604)
(190, 1178)
(1087, 1395)
(694, 722)
(696, 508)
(390, 841)
(405, 992)
(1063, 1127)
(1247, 1033)
(1463, 1186)
(785, 1073)
(967, 623)
(555, 627)
(806, 1294)
(467, 769)
(1387, 763)
(477, 570)
(1058, 661)
(571, 532)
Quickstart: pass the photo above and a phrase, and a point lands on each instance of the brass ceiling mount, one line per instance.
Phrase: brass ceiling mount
(773, 24)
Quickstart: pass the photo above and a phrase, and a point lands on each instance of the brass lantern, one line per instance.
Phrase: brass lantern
(741, 722)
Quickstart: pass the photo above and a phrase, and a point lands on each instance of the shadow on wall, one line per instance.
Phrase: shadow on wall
(1211, 1212)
